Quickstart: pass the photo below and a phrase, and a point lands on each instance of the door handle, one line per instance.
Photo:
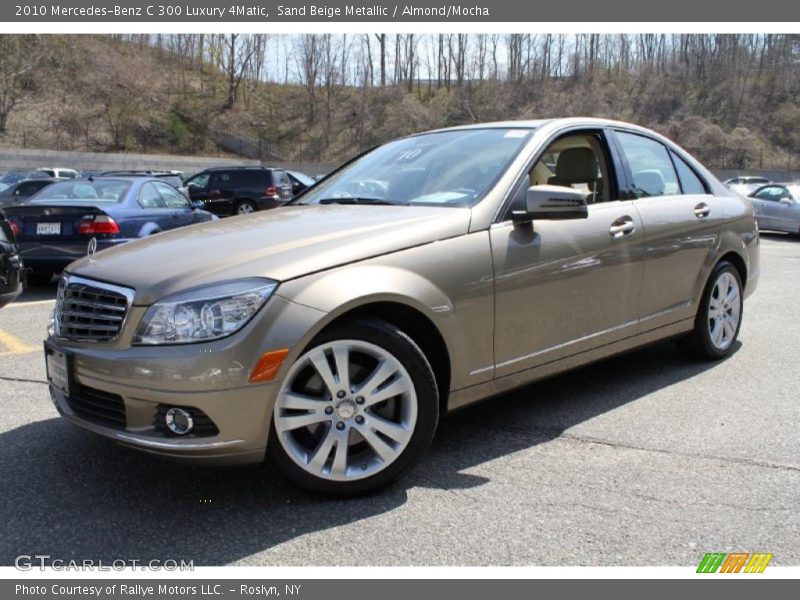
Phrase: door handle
(621, 227)
(702, 210)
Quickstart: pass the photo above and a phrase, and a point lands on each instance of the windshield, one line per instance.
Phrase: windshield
(109, 190)
(447, 168)
(302, 178)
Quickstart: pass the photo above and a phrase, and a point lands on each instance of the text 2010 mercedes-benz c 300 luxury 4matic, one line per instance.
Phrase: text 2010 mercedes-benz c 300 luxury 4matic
(434, 271)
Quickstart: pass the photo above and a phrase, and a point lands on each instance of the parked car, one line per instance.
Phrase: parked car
(240, 190)
(777, 207)
(13, 177)
(56, 173)
(19, 192)
(332, 334)
(300, 181)
(746, 184)
(174, 178)
(54, 226)
(11, 271)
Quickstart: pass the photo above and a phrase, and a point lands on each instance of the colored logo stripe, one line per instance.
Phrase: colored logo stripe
(734, 562)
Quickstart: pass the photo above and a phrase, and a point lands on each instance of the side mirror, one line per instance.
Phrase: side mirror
(552, 202)
(197, 205)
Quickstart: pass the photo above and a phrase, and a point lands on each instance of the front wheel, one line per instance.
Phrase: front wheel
(357, 409)
(719, 316)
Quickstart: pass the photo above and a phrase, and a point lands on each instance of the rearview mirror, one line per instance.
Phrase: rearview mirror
(552, 202)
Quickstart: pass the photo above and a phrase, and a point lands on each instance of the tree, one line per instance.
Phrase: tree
(19, 56)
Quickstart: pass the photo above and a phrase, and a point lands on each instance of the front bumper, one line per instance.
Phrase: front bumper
(240, 441)
(211, 377)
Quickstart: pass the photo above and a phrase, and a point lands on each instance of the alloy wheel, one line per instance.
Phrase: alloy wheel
(724, 311)
(346, 411)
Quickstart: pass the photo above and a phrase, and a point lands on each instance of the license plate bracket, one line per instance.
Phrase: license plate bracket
(58, 364)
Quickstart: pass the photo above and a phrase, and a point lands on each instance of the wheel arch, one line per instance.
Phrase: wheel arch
(416, 325)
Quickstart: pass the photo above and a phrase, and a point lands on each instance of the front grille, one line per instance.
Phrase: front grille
(90, 310)
(203, 425)
(98, 406)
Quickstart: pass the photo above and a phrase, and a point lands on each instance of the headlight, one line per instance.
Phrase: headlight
(203, 314)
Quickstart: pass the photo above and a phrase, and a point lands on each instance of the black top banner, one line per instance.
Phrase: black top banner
(417, 11)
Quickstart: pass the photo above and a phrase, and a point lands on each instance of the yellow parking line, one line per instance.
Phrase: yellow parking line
(14, 345)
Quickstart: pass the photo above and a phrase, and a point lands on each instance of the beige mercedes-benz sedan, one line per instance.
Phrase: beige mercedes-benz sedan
(432, 272)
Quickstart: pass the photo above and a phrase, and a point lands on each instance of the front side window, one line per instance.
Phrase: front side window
(453, 168)
(650, 164)
(199, 181)
(172, 198)
(772, 193)
(149, 196)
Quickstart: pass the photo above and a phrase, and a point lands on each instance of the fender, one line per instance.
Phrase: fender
(338, 291)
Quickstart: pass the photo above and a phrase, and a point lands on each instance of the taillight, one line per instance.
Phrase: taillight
(272, 191)
(101, 224)
(15, 227)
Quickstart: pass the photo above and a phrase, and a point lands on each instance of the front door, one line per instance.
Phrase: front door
(565, 286)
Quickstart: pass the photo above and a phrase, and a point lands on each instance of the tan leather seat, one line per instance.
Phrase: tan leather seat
(577, 165)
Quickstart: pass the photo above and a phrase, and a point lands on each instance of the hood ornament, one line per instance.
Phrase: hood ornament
(91, 249)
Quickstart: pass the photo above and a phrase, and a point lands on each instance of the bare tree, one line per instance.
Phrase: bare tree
(19, 56)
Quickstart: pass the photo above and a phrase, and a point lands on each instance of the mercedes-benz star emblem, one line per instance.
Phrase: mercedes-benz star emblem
(91, 248)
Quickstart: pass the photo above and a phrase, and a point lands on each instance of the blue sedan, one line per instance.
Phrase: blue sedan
(54, 227)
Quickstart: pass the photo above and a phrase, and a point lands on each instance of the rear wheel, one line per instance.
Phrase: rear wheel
(39, 278)
(719, 316)
(355, 411)
(245, 207)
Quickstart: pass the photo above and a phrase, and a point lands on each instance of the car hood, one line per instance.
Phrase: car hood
(281, 244)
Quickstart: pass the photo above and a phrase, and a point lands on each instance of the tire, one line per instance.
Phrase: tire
(380, 360)
(39, 278)
(716, 326)
(245, 207)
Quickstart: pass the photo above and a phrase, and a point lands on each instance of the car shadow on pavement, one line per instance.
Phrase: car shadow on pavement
(72, 495)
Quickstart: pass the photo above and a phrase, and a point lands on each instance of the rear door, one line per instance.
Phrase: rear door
(682, 222)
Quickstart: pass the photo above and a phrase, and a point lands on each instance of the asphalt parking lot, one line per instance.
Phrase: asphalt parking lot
(644, 459)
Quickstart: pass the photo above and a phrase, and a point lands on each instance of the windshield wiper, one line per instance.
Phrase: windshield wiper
(355, 200)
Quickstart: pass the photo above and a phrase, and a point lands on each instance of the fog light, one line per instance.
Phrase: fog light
(179, 421)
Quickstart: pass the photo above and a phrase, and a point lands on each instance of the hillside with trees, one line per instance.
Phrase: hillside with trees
(730, 99)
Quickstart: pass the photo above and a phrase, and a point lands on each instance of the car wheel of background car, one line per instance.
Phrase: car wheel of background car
(357, 409)
(39, 278)
(245, 207)
(719, 316)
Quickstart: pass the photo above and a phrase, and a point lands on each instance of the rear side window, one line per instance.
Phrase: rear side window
(252, 178)
(690, 181)
(650, 164)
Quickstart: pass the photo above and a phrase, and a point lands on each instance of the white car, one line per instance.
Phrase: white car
(56, 172)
